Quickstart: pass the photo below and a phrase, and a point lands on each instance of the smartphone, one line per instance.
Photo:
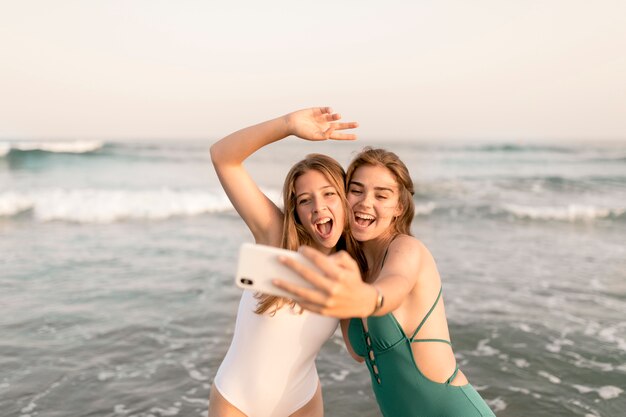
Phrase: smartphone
(258, 265)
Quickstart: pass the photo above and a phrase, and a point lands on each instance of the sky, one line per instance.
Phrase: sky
(405, 70)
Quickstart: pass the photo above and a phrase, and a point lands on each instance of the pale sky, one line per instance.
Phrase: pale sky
(439, 69)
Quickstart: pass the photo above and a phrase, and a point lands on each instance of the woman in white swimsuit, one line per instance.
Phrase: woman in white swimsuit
(269, 369)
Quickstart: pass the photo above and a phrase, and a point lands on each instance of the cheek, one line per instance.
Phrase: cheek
(337, 208)
(301, 212)
(352, 200)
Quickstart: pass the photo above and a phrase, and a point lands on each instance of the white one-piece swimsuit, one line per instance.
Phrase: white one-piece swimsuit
(269, 369)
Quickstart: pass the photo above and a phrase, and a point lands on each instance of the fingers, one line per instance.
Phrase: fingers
(342, 126)
(342, 136)
(328, 133)
(312, 276)
(343, 259)
(332, 117)
(302, 294)
(326, 264)
(345, 125)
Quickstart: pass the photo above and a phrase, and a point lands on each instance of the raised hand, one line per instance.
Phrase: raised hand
(318, 123)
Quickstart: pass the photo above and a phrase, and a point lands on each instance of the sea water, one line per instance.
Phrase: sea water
(117, 263)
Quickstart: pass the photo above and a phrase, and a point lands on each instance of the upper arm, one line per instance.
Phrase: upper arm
(401, 270)
(345, 324)
(261, 215)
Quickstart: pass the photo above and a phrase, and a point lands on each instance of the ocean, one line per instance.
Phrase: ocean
(117, 264)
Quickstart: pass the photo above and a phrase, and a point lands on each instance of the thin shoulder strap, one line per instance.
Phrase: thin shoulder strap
(387, 250)
(454, 374)
(427, 315)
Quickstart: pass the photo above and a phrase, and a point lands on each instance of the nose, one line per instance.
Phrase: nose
(365, 200)
(318, 205)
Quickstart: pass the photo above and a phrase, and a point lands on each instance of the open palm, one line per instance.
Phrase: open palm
(319, 123)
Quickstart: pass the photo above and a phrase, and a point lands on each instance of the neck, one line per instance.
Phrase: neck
(374, 250)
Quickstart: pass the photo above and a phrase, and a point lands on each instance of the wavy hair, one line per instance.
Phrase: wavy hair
(294, 234)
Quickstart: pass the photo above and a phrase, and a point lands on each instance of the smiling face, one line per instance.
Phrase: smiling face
(319, 209)
(374, 198)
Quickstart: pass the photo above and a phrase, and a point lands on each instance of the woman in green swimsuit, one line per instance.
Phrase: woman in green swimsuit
(400, 329)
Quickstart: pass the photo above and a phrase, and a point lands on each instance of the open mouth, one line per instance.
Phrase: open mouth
(324, 226)
(363, 220)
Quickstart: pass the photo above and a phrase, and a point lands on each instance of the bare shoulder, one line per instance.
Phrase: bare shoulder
(413, 250)
(405, 252)
(407, 244)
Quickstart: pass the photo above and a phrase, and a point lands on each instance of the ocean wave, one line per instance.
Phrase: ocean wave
(510, 147)
(425, 209)
(570, 213)
(113, 205)
(108, 206)
(72, 147)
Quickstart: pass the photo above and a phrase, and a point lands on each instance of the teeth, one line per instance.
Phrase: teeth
(322, 221)
(364, 216)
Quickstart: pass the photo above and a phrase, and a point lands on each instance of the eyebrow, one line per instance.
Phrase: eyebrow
(375, 188)
(321, 188)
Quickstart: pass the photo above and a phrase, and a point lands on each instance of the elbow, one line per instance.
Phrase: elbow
(213, 151)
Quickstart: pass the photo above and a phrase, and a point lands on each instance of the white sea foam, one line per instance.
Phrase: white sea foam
(521, 363)
(121, 409)
(556, 345)
(497, 404)
(108, 206)
(571, 212)
(171, 411)
(581, 362)
(339, 376)
(197, 375)
(424, 209)
(483, 349)
(550, 377)
(5, 148)
(202, 401)
(606, 392)
(76, 146)
(12, 203)
(518, 389)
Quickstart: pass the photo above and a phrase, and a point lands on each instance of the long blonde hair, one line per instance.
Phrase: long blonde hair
(294, 233)
(391, 161)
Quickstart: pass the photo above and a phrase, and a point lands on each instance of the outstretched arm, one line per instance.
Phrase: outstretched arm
(339, 290)
(261, 215)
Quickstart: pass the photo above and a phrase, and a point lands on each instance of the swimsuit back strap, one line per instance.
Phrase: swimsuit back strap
(427, 315)
(456, 371)
(447, 342)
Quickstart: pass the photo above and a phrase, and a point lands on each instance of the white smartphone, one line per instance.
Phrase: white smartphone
(258, 265)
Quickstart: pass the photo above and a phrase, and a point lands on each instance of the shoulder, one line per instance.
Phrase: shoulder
(406, 243)
(412, 250)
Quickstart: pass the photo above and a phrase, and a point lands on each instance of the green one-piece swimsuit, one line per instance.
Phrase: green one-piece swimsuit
(400, 387)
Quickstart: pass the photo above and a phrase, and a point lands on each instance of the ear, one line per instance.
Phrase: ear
(399, 210)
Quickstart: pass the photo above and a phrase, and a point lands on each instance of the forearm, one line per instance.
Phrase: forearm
(394, 289)
(236, 147)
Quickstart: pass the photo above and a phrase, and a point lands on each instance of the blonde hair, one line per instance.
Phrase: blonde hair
(391, 161)
(294, 233)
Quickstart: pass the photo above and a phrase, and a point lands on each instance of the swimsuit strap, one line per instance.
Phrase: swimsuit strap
(447, 342)
(387, 250)
(456, 371)
(427, 315)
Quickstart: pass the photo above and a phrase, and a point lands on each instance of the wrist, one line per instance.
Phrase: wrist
(287, 124)
(379, 301)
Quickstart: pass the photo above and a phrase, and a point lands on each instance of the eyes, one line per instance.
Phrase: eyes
(356, 191)
(308, 199)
